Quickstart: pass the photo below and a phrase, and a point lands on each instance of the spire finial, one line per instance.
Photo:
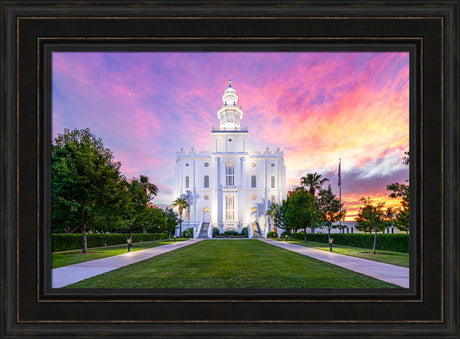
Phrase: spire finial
(229, 80)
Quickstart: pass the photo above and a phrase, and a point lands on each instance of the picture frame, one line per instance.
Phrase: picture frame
(30, 307)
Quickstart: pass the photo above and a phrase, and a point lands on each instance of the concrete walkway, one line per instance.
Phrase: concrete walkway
(393, 274)
(67, 275)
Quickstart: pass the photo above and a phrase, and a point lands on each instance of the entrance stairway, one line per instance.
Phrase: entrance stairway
(204, 230)
(256, 230)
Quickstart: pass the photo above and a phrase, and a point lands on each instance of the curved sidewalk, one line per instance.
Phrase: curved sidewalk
(67, 275)
(393, 274)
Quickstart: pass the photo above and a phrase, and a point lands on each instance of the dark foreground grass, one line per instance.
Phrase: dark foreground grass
(66, 258)
(394, 258)
(231, 264)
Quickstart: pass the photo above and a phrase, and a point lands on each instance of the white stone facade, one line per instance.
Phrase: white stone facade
(230, 187)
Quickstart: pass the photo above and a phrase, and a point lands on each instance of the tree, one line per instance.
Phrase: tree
(301, 210)
(402, 214)
(154, 220)
(135, 196)
(181, 204)
(330, 209)
(171, 220)
(271, 213)
(371, 217)
(401, 191)
(313, 182)
(84, 182)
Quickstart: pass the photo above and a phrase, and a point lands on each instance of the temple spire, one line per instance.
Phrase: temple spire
(229, 113)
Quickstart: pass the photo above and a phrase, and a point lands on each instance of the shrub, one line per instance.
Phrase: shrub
(272, 234)
(188, 233)
(65, 242)
(231, 233)
(385, 241)
(215, 231)
(245, 232)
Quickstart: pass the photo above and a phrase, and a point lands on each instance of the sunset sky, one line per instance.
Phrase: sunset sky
(317, 107)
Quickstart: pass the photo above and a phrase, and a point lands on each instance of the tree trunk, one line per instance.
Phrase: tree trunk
(304, 234)
(375, 239)
(180, 226)
(85, 242)
(153, 232)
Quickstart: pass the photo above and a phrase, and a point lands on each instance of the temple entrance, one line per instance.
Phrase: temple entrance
(206, 214)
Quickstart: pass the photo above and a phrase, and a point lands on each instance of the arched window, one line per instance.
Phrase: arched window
(273, 181)
(187, 182)
(230, 173)
(206, 181)
(253, 181)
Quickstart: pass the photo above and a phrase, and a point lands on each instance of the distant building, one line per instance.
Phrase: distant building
(230, 187)
(350, 227)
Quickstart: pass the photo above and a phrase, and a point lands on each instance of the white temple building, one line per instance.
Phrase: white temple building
(230, 187)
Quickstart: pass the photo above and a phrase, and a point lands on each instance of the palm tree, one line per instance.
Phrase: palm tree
(181, 204)
(151, 189)
(271, 212)
(312, 182)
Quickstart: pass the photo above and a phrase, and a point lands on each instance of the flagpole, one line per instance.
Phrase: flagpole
(340, 194)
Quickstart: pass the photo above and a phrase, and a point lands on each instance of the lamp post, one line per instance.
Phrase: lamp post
(286, 237)
(330, 244)
(174, 238)
(129, 244)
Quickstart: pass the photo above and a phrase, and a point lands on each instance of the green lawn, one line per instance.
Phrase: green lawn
(395, 258)
(231, 264)
(60, 259)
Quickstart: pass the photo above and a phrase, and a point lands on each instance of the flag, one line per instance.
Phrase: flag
(340, 179)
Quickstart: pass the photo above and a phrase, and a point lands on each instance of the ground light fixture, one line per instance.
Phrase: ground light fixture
(330, 244)
(130, 242)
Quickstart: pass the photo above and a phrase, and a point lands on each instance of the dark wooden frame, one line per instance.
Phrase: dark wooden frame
(427, 29)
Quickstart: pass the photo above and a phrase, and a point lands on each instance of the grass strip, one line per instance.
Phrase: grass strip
(231, 264)
(60, 259)
(394, 258)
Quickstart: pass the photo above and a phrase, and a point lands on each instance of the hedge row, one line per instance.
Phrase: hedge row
(385, 241)
(65, 242)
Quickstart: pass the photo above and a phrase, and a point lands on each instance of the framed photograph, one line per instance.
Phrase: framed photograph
(204, 77)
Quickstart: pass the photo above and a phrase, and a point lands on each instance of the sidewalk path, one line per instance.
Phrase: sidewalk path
(393, 274)
(67, 275)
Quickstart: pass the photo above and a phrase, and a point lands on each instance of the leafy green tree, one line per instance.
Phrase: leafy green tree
(181, 204)
(330, 209)
(372, 217)
(154, 220)
(301, 210)
(84, 182)
(401, 191)
(402, 214)
(136, 195)
(171, 221)
(313, 182)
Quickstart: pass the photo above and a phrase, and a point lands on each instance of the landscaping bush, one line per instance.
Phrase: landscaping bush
(385, 241)
(188, 233)
(231, 233)
(244, 232)
(65, 242)
(272, 234)
(215, 231)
